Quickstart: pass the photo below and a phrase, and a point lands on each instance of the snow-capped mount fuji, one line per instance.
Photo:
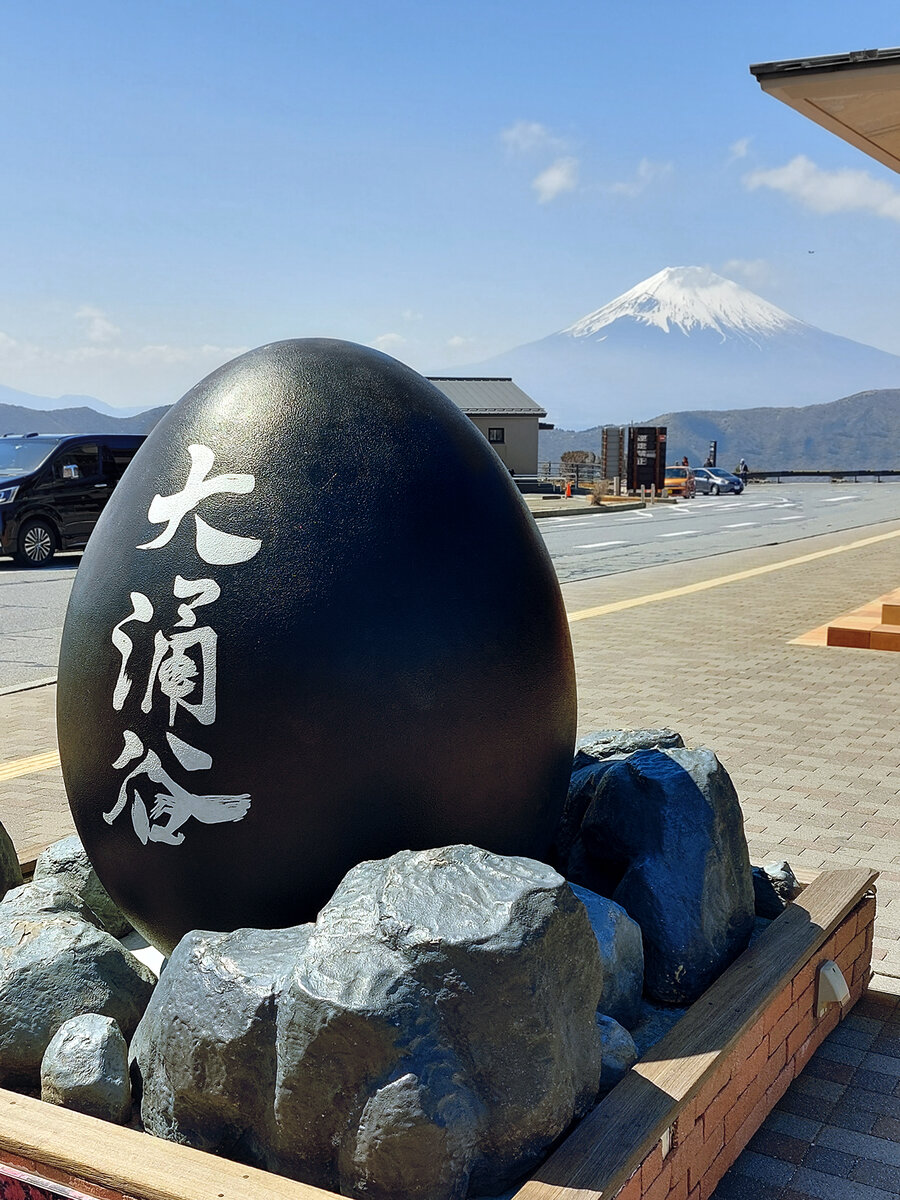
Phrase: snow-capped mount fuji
(689, 299)
(687, 339)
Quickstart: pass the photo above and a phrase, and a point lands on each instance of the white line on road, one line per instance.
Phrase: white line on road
(681, 533)
(600, 545)
(789, 518)
(835, 499)
(741, 525)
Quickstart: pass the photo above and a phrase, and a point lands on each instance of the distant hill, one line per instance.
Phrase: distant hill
(860, 431)
(15, 418)
(687, 339)
(19, 399)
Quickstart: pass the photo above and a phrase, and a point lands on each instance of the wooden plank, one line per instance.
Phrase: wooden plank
(132, 1162)
(613, 1139)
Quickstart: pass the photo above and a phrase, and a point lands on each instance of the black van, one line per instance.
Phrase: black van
(53, 488)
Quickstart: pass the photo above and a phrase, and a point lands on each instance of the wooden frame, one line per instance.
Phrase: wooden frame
(599, 1157)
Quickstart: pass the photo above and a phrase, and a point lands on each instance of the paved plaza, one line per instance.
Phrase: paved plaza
(809, 736)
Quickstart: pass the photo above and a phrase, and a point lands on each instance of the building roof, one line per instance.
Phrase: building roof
(855, 96)
(487, 395)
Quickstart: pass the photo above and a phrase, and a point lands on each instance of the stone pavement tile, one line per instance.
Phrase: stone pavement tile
(878, 1175)
(803, 1128)
(733, 1186)
(815, 1185)
(829, 1161)
(847, 1116)
(778, 1145)
(764, 1168)
(861, 1145)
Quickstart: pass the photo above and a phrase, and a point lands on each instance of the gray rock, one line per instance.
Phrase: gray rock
(10, 871)
(432, 1034)
(619, 1052)
(85, 1067)
(53, 968)
(67, 861)
(774, 887)
(655, 1022)
(621, 956)
(601, 746)
(44, 897)
(607, 743)
(663, 835)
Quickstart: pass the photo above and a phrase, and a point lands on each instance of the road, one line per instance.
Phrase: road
(33, 602)
(583, 547)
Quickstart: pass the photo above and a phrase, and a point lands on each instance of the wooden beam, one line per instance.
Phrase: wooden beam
(130, 1162)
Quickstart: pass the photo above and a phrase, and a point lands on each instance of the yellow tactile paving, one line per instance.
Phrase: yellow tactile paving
(28, 766)
(704, 585)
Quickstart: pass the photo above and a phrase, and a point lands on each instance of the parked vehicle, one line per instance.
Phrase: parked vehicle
(710, 481)
(53, 488)
(680, 481)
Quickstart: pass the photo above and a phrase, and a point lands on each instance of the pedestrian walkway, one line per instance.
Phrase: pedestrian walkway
(809, 736)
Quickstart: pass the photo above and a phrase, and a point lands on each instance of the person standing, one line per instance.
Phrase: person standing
(744, 471)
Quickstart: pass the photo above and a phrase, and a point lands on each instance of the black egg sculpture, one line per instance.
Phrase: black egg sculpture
(315, 625)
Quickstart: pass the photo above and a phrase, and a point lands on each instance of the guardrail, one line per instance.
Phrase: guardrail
(838, 474)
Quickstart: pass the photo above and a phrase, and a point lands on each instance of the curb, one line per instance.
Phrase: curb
(27, 687)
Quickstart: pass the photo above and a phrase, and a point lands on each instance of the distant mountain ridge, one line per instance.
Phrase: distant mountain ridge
(861, 431)
(682, 340)
(15, 418)
(10, 396)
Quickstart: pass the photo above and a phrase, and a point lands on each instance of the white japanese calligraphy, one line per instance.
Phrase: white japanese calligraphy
(213, 545)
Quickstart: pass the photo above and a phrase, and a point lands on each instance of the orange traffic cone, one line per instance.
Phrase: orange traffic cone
(568, 489)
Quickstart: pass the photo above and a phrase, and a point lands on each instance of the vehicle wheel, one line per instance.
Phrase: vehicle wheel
(37, 544)
(714, 490)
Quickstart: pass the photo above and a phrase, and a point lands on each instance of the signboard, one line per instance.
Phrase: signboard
(612, 452)
(646, 457)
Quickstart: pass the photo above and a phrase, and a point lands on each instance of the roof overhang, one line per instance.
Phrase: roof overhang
(855, 96)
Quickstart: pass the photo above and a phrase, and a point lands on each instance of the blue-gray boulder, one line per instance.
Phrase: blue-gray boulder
(57, 966)
(85, 1067)
(10, 871)
(67, 861)
(619, 1052)
(45, 897)
(621, 957)
(662, 834)
(429, 1036)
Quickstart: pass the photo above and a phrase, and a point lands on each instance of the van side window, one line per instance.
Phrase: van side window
(77, 462)
(116, 459)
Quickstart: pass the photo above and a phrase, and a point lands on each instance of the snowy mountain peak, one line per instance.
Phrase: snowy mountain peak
(688, 299)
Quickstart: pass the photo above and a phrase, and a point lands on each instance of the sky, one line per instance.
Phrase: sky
(183, 181)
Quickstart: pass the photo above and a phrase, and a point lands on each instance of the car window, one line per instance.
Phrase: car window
(77, 462)
(19, 456)
(677, 472)
(116, 459)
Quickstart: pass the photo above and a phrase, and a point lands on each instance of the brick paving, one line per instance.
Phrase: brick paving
(809, 736)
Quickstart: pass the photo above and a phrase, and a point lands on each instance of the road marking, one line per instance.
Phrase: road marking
(599, 545)
(680, 533)
(741, 525)
(789, 518)
(835, 499)
(602, 610)
(28, 766)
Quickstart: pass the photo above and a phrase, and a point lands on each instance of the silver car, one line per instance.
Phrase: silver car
(710, 481)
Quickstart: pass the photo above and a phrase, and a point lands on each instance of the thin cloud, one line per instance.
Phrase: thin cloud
(844, 190)
(525, 137)
(98, 327)
(560, 177)
(388, 342)
(647, 172)
(457, 341)
(739, 149)
(752, 270)
(410, 314)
